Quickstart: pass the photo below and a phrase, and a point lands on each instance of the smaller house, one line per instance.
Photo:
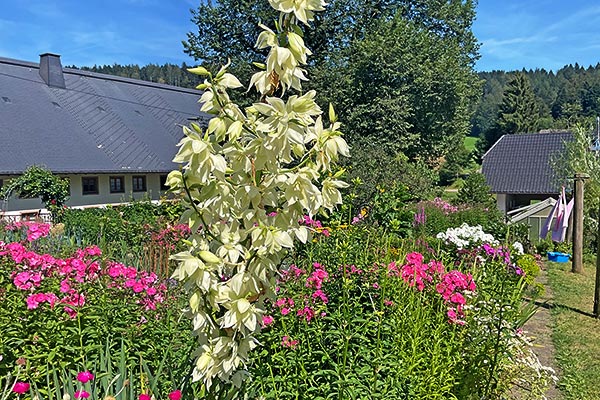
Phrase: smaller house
(518, 168)
(534, 215)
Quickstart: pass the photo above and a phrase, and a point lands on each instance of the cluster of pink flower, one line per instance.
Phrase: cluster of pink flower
(416, 273)
(440, 204)
(310, 304)
(35, 230)
(33, 268)
(169, 236)
(287, 341)
(146, 285)
(452, 285)
(315, 224)
(497, 252)
(317, 277)
(84, 377)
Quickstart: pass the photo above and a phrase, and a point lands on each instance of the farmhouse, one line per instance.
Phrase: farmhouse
(112, 137)
(518, 168)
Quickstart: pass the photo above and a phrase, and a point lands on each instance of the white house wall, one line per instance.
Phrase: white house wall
(501, 202)
(77, 198)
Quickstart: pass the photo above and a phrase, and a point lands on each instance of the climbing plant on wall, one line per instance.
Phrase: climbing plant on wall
(37, 181)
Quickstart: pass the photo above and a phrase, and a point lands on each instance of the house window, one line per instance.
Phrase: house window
(89, 185)
(117, 184)
(163, 183)
(139, 183)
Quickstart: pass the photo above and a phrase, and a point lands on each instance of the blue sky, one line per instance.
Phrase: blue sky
(514, 34)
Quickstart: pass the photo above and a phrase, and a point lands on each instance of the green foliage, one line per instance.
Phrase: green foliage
(120, 230)
(39, 182)
(400, 72)
(565, 98)
(457, 162)
(388, 209)
(476, 192)
(518, 112)
(375, 167)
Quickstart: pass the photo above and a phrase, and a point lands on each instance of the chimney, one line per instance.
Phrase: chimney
(51, 70)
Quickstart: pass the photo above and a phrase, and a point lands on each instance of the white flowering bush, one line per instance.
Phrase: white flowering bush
(466, 236)
(247, 181)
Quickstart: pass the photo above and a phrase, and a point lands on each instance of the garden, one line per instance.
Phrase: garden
(361, 310)
(269, 276)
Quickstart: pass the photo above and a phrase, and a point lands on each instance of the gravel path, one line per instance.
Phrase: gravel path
(539, 328)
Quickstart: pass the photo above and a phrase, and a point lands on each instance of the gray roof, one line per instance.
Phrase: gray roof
(520, 163)
(96, 124)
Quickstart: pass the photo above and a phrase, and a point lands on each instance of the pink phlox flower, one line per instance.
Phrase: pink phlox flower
(81, 394)
(280, 302)
(267, 320)
(435, 267)
(317, 277)
(151, 291)
(20, 387)
(85, 376)
(286, 341)
(388, 303)
(306, 312)
(285, 311)
(138, 287)
(414, 258)
(415, 273)
(319, 294)
(93, 251)
(22, 280)
(175, 395)
(375, 285)
(392, 269)
(145, 396)
(36, 231)
(458, 298)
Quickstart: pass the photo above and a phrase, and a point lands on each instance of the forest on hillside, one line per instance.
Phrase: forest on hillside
(563, 99)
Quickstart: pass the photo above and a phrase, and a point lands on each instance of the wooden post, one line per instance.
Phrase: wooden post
(577, 266)
(597, 288)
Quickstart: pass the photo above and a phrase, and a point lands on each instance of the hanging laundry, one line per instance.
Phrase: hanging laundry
(546, 227)
(558, 235)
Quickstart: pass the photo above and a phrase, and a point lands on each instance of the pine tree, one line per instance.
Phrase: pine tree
(518, 111)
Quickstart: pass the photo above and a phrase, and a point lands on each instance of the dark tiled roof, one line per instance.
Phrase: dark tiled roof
(520, 163)
(99, 123)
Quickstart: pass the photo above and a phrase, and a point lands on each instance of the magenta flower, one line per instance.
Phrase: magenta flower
(85, 376)
(145, 396)
(267, 320)
(175, 395)
(81, 394)
(286, 341)
(21, 387)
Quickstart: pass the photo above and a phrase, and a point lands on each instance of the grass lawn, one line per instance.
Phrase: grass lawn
(470, 142)
(576, 334)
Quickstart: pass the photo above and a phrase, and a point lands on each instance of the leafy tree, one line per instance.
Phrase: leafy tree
(476, 192)
(399, 71)
(39, 182)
